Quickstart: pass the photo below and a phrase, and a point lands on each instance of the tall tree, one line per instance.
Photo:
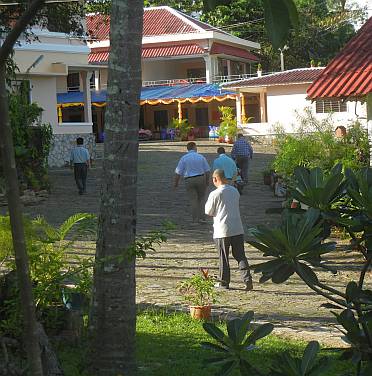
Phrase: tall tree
(14, 203)
(113, 315)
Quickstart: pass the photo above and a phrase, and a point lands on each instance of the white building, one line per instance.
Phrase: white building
(277, 98)
(47, 63)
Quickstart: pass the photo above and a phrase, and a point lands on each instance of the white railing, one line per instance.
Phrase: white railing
(175, 81)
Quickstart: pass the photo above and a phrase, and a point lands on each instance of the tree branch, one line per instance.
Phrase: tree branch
(18, 28)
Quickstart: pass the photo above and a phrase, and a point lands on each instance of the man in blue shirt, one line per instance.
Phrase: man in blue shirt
(226, 164)
(80, 159)
(242, 153)
(194, 168)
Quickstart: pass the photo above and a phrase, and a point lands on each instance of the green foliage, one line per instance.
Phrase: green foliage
(298, 246)
(287, 365)
(232, 348)
(32, 140)
(316, 189)
(295, 244)
(228, 125)
(183, 127)
(53, 262)
(280, 16)
(316, 146)
(198, 290)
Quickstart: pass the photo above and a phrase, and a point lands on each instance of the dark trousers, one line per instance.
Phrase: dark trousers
(243, 164)
(237, 245)
(196, 188)
(80, 173)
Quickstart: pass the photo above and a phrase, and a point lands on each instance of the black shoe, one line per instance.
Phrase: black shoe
(80, 193)
(249, 285)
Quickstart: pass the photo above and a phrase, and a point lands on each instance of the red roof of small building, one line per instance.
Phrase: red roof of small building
(349, 74)
(294, 76)
(156, 21)
(101, 54)
(218, 48)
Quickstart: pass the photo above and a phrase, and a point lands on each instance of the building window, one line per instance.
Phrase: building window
(160, 119)
(323, 106)
(73, 81)
(201, 115)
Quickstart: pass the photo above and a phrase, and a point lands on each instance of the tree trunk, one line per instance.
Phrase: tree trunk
(113, 316)
(16, 219)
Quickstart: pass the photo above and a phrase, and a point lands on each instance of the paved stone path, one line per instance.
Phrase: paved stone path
(292, 307)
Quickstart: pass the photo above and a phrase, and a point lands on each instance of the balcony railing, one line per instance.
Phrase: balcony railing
(197, 80)
(175, 81)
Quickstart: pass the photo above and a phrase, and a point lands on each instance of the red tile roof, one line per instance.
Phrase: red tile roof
(349, 74)
(101, 54)
(156, 21)
(218, 48)
(294, 76)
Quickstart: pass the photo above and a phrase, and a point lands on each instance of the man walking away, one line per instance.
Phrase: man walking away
(225, 163)
(80, 159)
(242, 153)
(223, 206)
(194, 168)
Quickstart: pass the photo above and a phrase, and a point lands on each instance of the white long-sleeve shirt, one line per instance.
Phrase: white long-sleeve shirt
(223, 206)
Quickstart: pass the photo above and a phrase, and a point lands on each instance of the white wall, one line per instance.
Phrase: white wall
(284, 101)
(43, 92)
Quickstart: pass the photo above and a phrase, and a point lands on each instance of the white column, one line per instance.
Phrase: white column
(86, 76)
(369, 125)
(262, 107)
(208, 69)
(228, 67)
(96, 80)
(238, 110)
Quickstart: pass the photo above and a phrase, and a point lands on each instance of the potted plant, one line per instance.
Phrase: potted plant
(183, 128)
(198, 291)
(228, 125)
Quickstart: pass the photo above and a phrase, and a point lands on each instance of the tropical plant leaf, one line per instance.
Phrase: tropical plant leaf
(283, 273)
(215, 332)
(309, 356)
(307, 274)
(233, 327)
(244, 326)
(213, 346)
(260, 332)
(279, 15)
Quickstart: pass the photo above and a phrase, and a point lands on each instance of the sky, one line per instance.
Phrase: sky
(364, 3)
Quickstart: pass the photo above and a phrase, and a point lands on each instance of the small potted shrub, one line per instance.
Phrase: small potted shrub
(198, 291)
(228, 126)
(183, 128)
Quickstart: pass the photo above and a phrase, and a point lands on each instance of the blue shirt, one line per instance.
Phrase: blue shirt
(192, 164)
(225, 163)
(242, 148)
(79, 154)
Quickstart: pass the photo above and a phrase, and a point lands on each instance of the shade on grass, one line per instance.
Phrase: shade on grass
(169, 344)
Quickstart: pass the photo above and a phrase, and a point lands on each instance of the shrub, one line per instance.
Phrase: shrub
(316, 146)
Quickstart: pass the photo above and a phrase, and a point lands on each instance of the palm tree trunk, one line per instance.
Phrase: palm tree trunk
(113, 316)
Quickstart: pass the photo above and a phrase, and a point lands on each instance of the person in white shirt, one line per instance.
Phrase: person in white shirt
(223, 206)
(194, 168)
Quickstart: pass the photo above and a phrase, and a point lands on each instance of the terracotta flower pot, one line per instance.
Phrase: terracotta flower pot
(200, 312)
(221, 140)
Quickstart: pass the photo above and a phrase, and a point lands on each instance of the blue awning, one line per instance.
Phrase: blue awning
(153, 93)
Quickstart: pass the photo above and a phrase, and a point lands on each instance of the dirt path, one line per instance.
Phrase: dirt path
(291, 306)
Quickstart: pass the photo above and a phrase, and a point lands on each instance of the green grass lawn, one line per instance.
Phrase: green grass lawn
(169, 344)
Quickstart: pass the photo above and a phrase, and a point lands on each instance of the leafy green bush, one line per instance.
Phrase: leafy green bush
(298, 246)
(316, 146)
(53, 262)
(32, 140)
(228, 126)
